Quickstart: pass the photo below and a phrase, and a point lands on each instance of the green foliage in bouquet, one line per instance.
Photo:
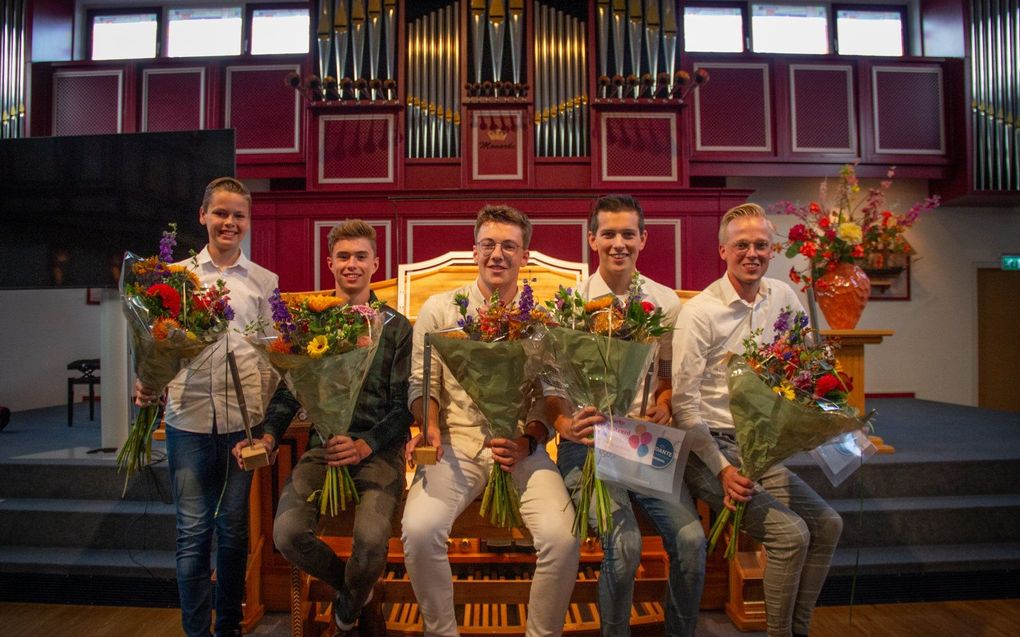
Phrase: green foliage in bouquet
(601, 350)
(786, 396)
(496, 356)
(172, 317)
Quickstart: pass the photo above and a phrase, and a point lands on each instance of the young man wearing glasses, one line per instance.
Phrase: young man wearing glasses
(467, 451)
(616, 231)
(799, 530)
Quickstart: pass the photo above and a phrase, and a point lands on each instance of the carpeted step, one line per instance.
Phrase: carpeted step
(892, 476)
(99, 524)
(83, 481)
(938, 558)
(921, 521)
(84, 561)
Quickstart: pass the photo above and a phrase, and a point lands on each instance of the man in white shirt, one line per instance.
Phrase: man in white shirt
(467, 451)
(204, 422)
(616, 231)
(799, 530)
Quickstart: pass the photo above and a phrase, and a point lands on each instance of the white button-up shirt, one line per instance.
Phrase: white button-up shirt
(659, 296)
(711, 325)
(204, 390)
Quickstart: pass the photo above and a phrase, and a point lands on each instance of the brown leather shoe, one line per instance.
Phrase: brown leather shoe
(372, 622)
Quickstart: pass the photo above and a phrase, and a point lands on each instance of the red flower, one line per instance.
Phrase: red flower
(824, 222)
(809, 249)
(799, 233)
(858, 250)
(826, 384)
(169, 298)
(199, 303)
(814, 208)
(647, 307)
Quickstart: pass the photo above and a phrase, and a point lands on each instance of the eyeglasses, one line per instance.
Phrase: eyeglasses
(759, 246)
(488, 246)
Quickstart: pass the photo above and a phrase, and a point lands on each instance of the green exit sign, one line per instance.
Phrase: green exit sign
(1011, 262)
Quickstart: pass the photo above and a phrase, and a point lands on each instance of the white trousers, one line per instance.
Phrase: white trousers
(442, 491)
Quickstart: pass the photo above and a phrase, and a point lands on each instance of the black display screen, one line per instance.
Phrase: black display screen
(71, 206)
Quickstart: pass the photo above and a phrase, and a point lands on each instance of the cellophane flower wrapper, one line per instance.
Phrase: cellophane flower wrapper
(157, 360)
(604, 371)
(500, 378)
(770, 428)
(328, 387)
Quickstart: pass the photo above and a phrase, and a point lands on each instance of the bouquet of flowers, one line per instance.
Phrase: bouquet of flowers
(849, 229)
(786, 396)
(495, 356)
(323, 350)
(172, 317)
(600, 352)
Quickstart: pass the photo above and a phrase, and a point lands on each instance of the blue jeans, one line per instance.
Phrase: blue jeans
(676, 520)
(211, 493)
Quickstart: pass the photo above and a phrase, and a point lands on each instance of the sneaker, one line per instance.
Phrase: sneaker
(371, 621)
(342, 629)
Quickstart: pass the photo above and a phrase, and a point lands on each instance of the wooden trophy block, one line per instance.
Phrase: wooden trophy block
(425, 455)
(254, 457)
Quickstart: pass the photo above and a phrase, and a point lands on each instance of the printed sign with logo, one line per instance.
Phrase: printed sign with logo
(637, 454)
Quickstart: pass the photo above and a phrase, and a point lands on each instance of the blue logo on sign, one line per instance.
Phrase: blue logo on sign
(663, 455)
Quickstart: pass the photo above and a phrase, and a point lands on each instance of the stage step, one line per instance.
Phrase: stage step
(921, 521)
(937, 558)
(90, 562)
(89, 524)
(69, 535)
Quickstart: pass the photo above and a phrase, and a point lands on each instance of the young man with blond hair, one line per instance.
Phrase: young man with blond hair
(799, 530)
(467, 451)
(372, 450)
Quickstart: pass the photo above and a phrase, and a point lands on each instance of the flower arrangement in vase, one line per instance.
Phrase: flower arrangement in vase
(843, 236)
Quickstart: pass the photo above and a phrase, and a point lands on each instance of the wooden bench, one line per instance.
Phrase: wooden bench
(492, 587)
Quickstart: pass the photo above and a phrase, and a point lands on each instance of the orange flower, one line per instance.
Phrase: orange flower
(145, 267)
(161, 328)
(191, 276)
(321, 302)
(279, 346)
(599, 303)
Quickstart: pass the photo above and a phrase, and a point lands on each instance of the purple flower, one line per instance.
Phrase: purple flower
(527, 302)
(802, 319)
(366, 311)
(167, 243)
(782, 323)
(281, 315)
(228, 312)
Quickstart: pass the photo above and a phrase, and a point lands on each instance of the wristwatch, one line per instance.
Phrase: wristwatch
(532, 443)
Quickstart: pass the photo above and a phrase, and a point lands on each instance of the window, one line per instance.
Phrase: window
(194, 32)
(789, 28)
(715, 28)
(124, 35)
(279, 31)
(870, 31)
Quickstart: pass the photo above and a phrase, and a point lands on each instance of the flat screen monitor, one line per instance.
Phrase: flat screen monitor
(71, 206)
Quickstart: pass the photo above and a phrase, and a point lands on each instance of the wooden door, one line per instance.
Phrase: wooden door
(998, 339)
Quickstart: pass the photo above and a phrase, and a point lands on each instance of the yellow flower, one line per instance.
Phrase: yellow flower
(321, 302)
(850, 232)
(191, 276)
(317, 346)
(785, 389)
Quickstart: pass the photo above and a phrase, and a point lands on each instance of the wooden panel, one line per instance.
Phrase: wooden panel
(428, 238)
(356, 149)
(173, 99)
(638, 148)
(733, 111)
(263, 110)
(660, 260)
(88, 102)
(822, 109)
(909, 110)
(497, 147)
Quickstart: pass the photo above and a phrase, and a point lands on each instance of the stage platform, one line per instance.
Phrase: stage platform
(936, 520)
